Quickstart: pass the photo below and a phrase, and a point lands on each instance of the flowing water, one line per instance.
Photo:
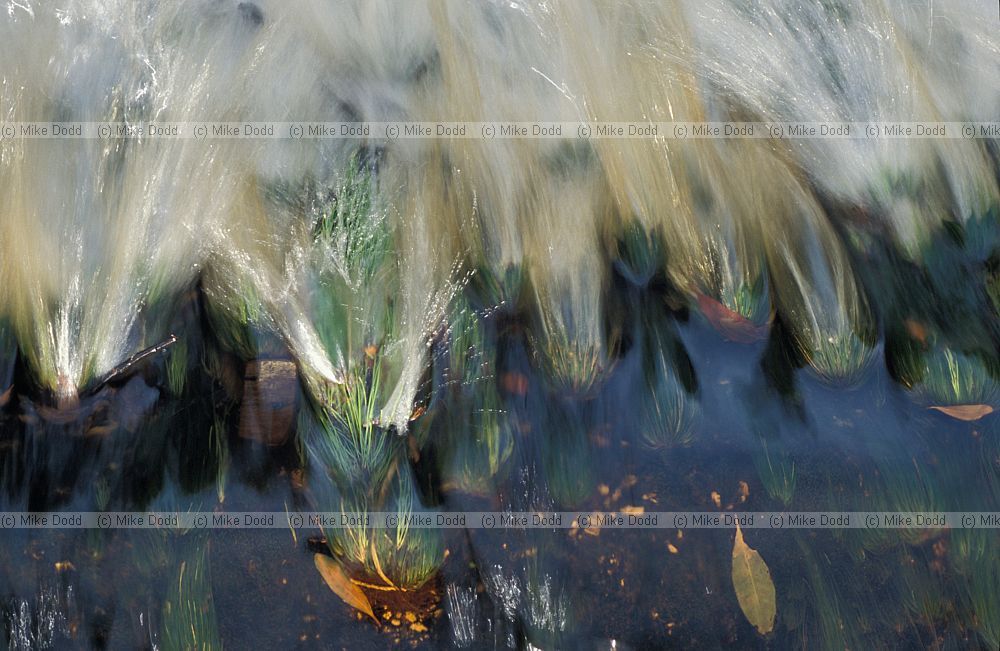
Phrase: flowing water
(263, 322)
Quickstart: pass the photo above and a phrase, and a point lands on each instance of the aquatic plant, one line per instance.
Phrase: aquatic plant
(670, 406)
(471, 429)
(841, 358)
(570, 364)
(409, 560)
(235, 314)
(95, 261)
(827, 603)
(942, 376)
(471, 347)
(547, 607)
(873, 64)
(220, 450)
(776, 472)
(970, 548)
(177, 367)
(345, 437)
(906, 487)
(568, 457)
(188, 615)
(823, 305)
(639, 254)
(568, 336)
(749, 298)
(730, 194)
(983, 587)
(354, 271)
(352, 253)
(8, 355)
(981, 233)
(923, 592)
(477, 442)
(397, 557)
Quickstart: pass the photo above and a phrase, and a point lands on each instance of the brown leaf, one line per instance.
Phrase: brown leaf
(732, 325)
(917, 330)
(341, 585)
(965, 412)
(753, 585)
(514, 383)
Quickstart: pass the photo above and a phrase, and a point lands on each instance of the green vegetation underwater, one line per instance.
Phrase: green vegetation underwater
(635, 324)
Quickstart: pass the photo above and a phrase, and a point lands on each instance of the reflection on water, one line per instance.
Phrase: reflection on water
(434, 325)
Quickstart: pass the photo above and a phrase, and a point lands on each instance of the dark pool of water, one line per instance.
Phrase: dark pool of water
(767, 437)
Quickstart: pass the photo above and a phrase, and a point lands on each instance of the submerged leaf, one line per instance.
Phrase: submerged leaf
(730, 324)
(341, 585)
(753, 585)
(965, 412)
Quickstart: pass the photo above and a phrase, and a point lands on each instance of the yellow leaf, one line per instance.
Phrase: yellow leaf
(341, 585)
(966, 412)
(753, 585)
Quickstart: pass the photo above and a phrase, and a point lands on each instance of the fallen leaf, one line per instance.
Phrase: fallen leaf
(753, 585)
(514, 383)
(965, 412)
(341, 585)
(917, 330)
(732, 325)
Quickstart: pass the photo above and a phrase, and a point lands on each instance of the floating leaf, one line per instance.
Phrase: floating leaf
(753, 585)
(965, 412)
(342, 586)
